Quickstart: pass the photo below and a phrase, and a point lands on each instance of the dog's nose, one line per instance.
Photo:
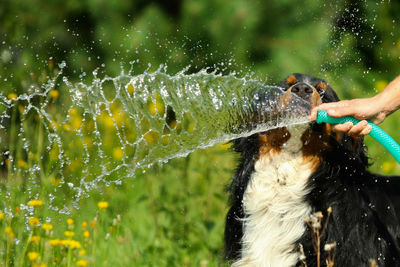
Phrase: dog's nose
(303, 90)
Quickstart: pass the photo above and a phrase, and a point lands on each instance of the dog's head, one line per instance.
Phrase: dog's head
(320, 138)
(317, 139)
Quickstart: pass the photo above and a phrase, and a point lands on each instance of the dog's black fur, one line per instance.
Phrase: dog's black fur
(366, 207)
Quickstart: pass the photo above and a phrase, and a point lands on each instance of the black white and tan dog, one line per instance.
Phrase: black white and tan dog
(287, 174)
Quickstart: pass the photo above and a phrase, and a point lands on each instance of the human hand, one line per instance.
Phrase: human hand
(361, 109)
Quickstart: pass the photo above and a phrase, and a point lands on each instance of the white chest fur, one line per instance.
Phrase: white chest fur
(275, 207)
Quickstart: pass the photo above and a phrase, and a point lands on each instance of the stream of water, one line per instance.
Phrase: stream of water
(114, 126)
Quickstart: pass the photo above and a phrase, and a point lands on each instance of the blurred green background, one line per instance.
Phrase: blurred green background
(173, 215)
(354, 45)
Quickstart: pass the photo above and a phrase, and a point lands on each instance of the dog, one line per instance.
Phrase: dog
(302, 196)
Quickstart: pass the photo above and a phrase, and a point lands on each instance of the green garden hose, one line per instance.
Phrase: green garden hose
(377, 133)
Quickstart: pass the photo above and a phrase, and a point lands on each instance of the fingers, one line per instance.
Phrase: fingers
(366, 130)
(338, 109)
(343, 128)
(360, 129)
(334, 109)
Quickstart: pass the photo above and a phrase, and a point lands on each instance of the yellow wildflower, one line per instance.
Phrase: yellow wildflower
(93, 223)
(70, 221)
(86, 234)
(76, 122)
(33, 221)
(33, 256)
(151, 137)
(160, 105)
(9, 232)
(380, 85)
(73, 112)
(82, 263)
(118, 154)
(107, 121)
(84, 224)
(35, 203)
(67, 127)
(88, 141)
(54, 94)
(21, 109)
(131, 89)
(47, 227)
(22, 163)
(39, 265)
(54, 242)
(82, 252)
(69, 233)
(173, 124)
(55, 181)
(152, 107)
(119, 116)
(35, 238)
(17, 209)
(75, 244)
(165, 140)
(71, 243)
(12, 96)
(102, 205)
(2, 214)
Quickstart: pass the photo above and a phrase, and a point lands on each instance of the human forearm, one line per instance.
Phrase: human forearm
(389, 98)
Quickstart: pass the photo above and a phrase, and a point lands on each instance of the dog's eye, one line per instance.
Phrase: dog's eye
(321, 88)
(321, 92)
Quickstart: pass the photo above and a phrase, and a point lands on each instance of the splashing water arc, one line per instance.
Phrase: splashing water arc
(116, 126)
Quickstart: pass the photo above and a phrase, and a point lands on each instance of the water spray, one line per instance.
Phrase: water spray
(377, 133)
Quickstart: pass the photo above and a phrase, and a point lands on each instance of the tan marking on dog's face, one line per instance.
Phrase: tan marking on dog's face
(285, 100)
(315, 98)
(322, 86)
(291, 80)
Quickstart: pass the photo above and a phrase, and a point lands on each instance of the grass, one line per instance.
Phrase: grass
(173, 215)
(169, 215)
